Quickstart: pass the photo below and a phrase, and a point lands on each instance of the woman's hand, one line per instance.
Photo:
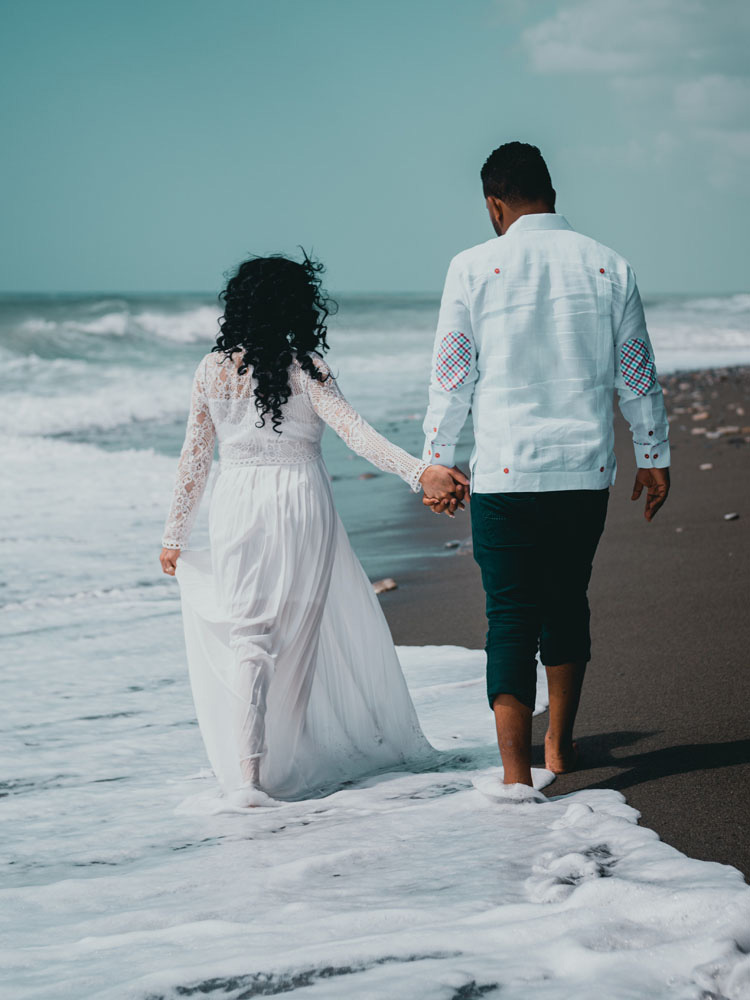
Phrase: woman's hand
(168, 560)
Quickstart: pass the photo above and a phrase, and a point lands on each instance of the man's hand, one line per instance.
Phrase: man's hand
(168, 560)
(444, 489)
(656, 482)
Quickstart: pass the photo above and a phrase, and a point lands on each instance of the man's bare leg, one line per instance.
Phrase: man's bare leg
(513, 723)
(565, 682)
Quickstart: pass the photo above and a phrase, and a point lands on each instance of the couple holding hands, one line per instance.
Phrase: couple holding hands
(296, 682)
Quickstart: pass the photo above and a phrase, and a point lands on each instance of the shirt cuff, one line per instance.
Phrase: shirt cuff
(439, 454)
(652, 454)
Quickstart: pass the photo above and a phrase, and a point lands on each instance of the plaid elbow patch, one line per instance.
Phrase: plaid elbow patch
(453, 361)
(638, 370)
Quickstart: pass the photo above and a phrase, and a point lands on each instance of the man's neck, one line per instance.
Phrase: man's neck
(530, 208)
(533, 208)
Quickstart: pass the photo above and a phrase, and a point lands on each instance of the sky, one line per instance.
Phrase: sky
(150, 145)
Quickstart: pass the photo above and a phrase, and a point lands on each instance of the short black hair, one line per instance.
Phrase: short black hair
(517, 174)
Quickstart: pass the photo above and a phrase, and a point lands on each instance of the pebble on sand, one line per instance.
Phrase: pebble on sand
(704, 415)
(731, 517)
(705, 466)
(381, 586)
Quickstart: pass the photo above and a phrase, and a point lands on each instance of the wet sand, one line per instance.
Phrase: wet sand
(664, 714)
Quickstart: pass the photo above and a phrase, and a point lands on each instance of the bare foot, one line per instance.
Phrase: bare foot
(560, 760)
(249, 796)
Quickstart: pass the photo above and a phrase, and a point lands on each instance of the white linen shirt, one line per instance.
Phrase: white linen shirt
(536, 329)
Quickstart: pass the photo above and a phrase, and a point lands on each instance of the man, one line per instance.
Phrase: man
(536, 329)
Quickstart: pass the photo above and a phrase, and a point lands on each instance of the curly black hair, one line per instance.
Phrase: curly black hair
(275, 310)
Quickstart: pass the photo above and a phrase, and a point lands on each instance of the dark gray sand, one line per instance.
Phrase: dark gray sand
(665, 709)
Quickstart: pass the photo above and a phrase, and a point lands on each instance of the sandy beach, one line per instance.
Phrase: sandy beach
(664, 711)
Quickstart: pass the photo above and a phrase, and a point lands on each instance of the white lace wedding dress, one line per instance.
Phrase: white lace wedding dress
(293, 671)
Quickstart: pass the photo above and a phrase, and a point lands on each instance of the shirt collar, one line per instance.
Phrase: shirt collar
(540, 220)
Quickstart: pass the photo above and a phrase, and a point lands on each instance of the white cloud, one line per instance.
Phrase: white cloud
(613, 36)
(681, 61)
(714, 99)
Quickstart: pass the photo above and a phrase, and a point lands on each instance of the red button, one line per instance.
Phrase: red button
(437, 454)
(646, 456)
(429, 451)
(497, 270)
(601, 468)
(656, 454)
(435, 430)
(601, 270)
(506, 470)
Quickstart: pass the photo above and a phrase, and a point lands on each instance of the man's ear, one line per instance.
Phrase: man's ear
(495, 208)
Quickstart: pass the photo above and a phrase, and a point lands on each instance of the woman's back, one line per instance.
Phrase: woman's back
(223, 407)
(231, 401)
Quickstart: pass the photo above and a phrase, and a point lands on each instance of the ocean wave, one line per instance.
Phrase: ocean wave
(114, 324)
(145, 589)
(80, 524)
(185, 327)
(125, 397)
(38, 325)
(34, 366)
(738, 303)
(117, 318)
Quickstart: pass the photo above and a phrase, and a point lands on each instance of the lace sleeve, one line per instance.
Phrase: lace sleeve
(193, 467)
(329, 403)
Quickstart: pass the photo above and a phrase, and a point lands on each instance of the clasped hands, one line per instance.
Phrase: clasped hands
(444, 489)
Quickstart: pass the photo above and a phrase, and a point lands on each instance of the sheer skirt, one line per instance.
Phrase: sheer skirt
(293, 670)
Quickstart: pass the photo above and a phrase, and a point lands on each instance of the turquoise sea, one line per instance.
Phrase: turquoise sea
(95, 391)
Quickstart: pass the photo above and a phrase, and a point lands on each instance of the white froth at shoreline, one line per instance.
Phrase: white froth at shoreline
(405, 884)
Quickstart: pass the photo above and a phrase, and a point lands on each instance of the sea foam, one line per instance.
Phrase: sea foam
(405, 884)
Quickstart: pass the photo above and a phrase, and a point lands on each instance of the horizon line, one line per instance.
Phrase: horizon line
(124, 293)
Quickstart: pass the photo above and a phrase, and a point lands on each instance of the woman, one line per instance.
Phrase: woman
(295, 678)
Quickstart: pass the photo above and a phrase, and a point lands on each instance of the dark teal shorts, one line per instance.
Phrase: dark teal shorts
(535, 551)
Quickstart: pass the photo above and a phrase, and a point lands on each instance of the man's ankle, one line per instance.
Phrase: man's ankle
(558, 739)
(519, 777)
